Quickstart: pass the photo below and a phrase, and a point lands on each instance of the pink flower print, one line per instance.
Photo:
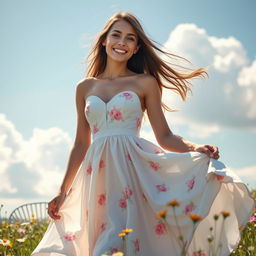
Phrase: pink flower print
(144, 197)
(102, 199)
(198, 254)
(219, 177)
(129, 157)
(190, 183)
(127, 95)
(122, 203)
(70, 237)
(103, 227)
(115, 114)
(161, 188)
(159, 151)
(160, 229)
(138, 122)
(95, 129)
(136, 244)
(113, 250)
(154, 165)
(89, 169)
(189, 208)
(127, 193)
(87, 110)
(101, 163)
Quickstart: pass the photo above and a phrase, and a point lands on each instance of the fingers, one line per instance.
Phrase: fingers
(53, 209)
(213, 151)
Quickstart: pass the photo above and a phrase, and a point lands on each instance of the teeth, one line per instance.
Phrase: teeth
(121, 51)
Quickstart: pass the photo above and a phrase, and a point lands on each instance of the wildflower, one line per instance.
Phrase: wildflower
(250, 248)
(194, 217)
(21, 231)
(122, 234)
(225, 214)
(215, 216)
(127, 230)
(21, 240)
(173, 203)
(252, 219)
(161, 214)
(118, 254)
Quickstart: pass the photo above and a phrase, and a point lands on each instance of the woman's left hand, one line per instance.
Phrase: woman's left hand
(210, 150)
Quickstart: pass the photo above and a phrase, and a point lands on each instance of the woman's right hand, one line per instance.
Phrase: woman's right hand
(54, 206)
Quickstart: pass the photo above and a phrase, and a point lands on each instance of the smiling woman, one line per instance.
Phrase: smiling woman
(122, 182)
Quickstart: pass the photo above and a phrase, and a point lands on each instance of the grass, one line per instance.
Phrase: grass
(20, 239)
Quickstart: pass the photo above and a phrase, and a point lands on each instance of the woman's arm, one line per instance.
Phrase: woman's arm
(82, 140)
(166, 139)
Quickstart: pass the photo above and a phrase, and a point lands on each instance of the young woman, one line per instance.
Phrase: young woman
(170, 200)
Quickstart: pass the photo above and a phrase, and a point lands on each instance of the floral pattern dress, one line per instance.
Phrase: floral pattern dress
(124, 181)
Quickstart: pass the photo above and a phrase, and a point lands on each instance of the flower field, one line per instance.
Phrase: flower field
(20, 239)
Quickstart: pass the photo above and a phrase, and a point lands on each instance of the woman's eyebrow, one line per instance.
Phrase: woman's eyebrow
(115, 30)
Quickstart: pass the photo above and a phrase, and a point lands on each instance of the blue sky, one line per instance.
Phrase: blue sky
(44, 44)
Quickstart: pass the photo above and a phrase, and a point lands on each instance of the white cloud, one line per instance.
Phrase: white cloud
(35, 167)
(247, 174)
(226, 98)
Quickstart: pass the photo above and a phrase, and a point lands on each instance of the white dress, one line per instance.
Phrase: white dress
(125, 180)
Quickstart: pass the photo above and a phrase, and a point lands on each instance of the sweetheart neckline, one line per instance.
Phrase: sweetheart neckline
(115, 95)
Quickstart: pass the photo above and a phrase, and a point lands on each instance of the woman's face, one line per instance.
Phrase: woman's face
(121, 41)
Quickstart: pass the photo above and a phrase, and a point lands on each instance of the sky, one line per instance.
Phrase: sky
(43, 48)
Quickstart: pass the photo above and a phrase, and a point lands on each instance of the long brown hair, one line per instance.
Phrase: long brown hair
(144, 61)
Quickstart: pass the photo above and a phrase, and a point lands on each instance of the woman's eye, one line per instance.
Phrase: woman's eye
(131, 38)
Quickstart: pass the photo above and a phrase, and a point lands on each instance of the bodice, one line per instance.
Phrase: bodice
(122, 114)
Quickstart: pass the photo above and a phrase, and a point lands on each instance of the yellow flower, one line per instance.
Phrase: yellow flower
(240, 227)
(127, 230)
(161, 214)
(194, 217)
(225, 214)
(121, 234)
(173, 203)
(118, 254)
(33, 215)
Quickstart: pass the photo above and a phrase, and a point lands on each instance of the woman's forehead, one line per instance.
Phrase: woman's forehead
(122, 26)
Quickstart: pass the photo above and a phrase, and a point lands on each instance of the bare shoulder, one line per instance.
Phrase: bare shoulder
(149, 85)
(84, 85)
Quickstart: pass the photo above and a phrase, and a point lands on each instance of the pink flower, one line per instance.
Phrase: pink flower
(70, 237)
(102, 163)
(115, 114)
(129, 157)
(122, 203)
(136, 244)
(198, 254)
(21, 231)
(161, 188)
(103, 227)
(95, 129)
(102, 199)
(87, 110)
(89, 169)
(160, 229)
(190, 183)
(154, 165)
(189, 208)
(219, 177)
(138, 120)
(127, 193)
(113, 250)
(127, 95)
(252, 219)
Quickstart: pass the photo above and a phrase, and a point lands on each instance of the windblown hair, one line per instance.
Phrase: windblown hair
(144, 61)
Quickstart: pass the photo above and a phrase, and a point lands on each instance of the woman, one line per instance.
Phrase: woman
(125, 181)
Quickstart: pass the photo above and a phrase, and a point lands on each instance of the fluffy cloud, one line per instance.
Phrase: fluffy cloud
(226, 98)
(31, 168)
